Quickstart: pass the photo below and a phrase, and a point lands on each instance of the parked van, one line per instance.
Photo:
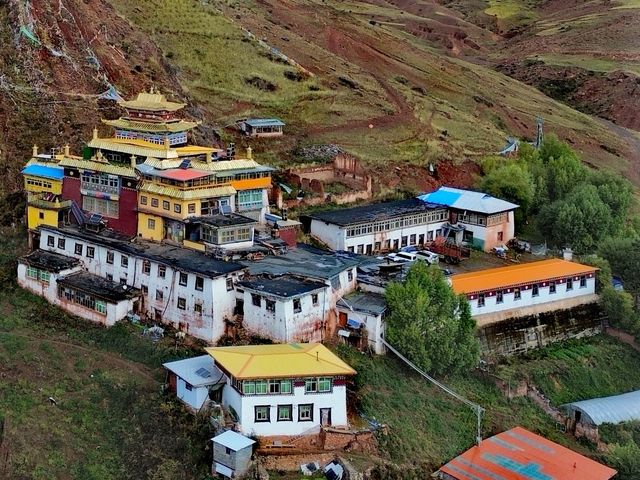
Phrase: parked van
(429, 257)
(402, 256)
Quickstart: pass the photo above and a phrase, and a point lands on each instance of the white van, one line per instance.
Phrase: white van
(427, 256)
(403, 256)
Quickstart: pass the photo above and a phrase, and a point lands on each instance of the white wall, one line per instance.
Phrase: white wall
(195, 398)
(373, 324)
(217, 302)
(527, 299)
(244, 406)
(284, 325)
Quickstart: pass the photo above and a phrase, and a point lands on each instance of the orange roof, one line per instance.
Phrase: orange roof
(524, 273)
(518, 454)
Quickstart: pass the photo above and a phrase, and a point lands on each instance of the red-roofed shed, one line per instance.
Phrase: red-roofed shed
(518, 454)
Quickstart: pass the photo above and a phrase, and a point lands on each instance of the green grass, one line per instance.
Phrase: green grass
(578, 370)
(589, 63)
(505, 8)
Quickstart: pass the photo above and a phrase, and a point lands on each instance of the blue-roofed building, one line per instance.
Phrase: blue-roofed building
(261, 127)
(615, 409)
(475, 218)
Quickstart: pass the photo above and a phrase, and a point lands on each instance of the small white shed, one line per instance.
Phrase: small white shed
(231, 454)
(192, 380)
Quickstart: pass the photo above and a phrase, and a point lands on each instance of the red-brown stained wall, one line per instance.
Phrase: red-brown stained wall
(71, 189)
(289, 235)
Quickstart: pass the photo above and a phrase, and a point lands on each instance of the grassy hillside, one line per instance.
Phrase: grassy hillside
(378, 90)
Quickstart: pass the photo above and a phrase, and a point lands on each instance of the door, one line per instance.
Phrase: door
(343, 319)
(325, 417)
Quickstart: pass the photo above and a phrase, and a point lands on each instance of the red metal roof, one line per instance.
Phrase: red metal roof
(182, 174)
(518, 454)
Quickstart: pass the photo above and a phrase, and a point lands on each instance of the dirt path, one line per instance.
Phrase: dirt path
(113, 357)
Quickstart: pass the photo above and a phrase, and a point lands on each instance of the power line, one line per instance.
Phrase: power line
(478, 410)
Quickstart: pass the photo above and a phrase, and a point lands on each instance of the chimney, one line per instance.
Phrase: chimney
(209, 157)
(95, 133)
(133, 161)
(167, 145)
(34, 152)
(249, 153)
(66, 150)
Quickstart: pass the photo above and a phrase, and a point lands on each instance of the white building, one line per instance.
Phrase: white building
(284, 309)
(475, 218)
(185, 288)
(194, 380)
(380, 226)
(231, 454)
(361, 320)
(62, 282)
(283, 390)
(526, 289)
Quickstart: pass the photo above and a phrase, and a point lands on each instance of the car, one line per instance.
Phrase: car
(520, 246)
(428, 257)
(402, 256)
(446, 271)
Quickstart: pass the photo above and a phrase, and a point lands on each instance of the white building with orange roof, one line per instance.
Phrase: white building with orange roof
(526, 289)
(283, 390)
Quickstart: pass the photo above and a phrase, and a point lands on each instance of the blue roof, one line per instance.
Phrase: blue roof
(264, 122)
(442, 197)
(615, 409)
(56, 173)
(468, 200)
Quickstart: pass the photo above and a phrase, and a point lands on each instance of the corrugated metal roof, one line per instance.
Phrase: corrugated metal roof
(139, 148)
(518, 454)
(614, 409)
(264, 122)
(126, 124)
(98, 166)
(196, 371)
(468, 200)
(524, 273)
(45, 171)
(152, 102)
(279, 361)
(182, 174)
(233, 440)
(368, 302)
(191, 194)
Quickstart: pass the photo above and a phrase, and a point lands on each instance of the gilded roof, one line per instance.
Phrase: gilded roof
(104, 167)
(139, 148)
(279, 361)
(172, 127)
(191, 194)
(151, 101)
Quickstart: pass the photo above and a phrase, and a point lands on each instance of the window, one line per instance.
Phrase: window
(197, 308)
(110, 257)
(305, 412)
(32, 272)
(262, 413)
(255, 299)
(552, 287)
(314, 299)
(77, 248)
(177, 208)
(249, 388)
(500, 236)
(110, 277)
(101, 206)
(311, 385)
(412, 239)
(154, 202)
(151, 224)
(41, 215)
(270, 305)
(184, 279)
(297, 308)
(123, 281)
(182, 303)
(51, 242)
(583, 281)
(274, 386)
(145, 289)
(499, 296)
(61, 243)
(404, 241)
(199, 283)
(45, 276)
(101, 307)
(517, 294)
(91, 252)
(188, 386)
(191, 208)
(261, 387)
(124, 261)
(229, 284)
(535, 290)
(143, 200)
(159, 294)
(481, 300)
(324, 384)
(285, 386)
(350, 275)
(166, 205)
(162, 271)
(284, 413)
(569, 284)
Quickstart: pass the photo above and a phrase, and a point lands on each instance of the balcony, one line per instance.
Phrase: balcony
(49, 204)
(94, 187)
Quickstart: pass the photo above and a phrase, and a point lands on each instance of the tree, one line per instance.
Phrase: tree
(618, 306)
(603, 275)
(514, 183)
(626, 459)
(623, 255)
(581, 220)
(615, 191)
(429, 323)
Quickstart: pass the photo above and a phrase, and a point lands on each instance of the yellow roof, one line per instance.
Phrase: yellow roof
(513, 275)
(196, 150)
(279, 361)
(179, 126)
(223, 165)
(104, 167)
(139, 148)
(191, 194)
(153, 102)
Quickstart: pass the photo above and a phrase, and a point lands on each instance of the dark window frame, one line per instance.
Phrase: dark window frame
(255, 413)
(78, 248)
(183, 279)
(310, 419)
(199, 283)
(289, 407)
